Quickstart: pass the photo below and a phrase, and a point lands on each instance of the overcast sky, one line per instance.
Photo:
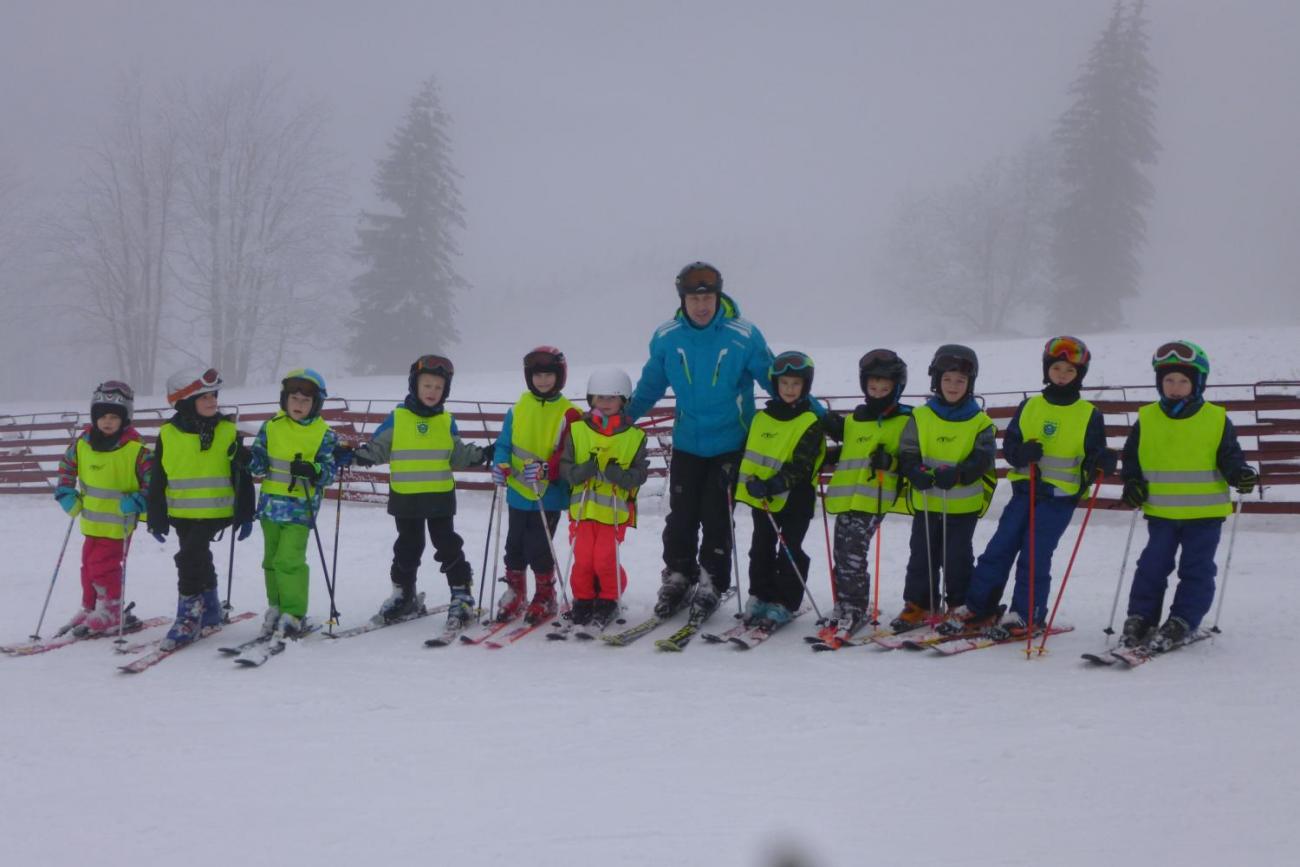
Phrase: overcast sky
(604, 144)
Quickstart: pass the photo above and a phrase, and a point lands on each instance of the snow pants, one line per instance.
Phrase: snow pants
(284, 566)
(772, 577)
(1199, 540)
(950, 574)
(853, 532)
(698, 493)
(195, 570)
(1010, 544)
(101, 567)
(448, 550)
(526, 540)
(594, 558)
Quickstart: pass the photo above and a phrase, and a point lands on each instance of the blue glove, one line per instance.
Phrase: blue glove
(132, 504)
(160, 538)
(946, 478)
(756, 488)
(532, 472)
(245, 530)
(68, 499)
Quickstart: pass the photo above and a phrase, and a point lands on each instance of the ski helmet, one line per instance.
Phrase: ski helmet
(1185, 357)
(439, 365)
(303, 380)
(792, 363)
(113, 396)
(954, 356)
(609, 380)
(1066, 348)
(886, 364)
(699, 278)
(546, 359)
(192, 382)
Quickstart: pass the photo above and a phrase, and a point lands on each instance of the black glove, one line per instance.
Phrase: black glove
(946, 478)
(583, 471)
(881, 460)
(1108, 462)
(240, 456)
(1031, 452)
(484, 456)
(727, 471)
(361, 460)
(305, 470)
(1244, 479)
(1135, 492)
(832, 456)
(757, 488)
(921, 479)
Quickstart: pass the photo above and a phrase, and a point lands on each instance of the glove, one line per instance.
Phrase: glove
(532, 472)
(833, 455)
(484, 457)
(727, 470)
(239, 456)
(160, 538)
(361, 460)
(68, 499)
(499, 474)
(245, 530)
(306, 470)
(132, 504)
(343, 456)
(1031, 452)
(756, 488)
(880, 460)
(1244, 479)
(946, 478)
(1108, 462)
(922, 480)
(617, 476)
(583, 471)
(1135, 492)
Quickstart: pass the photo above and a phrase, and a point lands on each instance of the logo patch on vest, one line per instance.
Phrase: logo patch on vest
(1050, 428)
(422, 428)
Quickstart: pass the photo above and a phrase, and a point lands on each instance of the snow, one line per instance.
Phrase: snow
(378, 750)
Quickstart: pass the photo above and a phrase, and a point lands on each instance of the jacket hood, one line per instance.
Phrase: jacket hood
(727, 309)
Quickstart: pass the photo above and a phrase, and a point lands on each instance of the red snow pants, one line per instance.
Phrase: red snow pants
(593, 562)
(101, 566)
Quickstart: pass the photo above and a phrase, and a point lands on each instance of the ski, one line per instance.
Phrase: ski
(854, 640)
(833, 637)
(153, 657)
(378, 622)
(677, 642)
(595, 627)
(759, 632)
(1132, 657)
(262, 648)
(450, 633)
(645, 627)
(952, 648)
(484, 631)
(31, 648)
(514, 635)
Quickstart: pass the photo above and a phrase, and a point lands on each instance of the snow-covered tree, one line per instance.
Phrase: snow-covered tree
(406, 295)
(1106, 138)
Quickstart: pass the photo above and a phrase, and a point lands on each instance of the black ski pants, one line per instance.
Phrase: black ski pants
(922, 569)
(698, 493)
(448, 550)
(772, 577)
(195, 570)
(526, 541)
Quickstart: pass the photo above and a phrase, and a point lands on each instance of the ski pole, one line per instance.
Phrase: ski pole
(880, 520)
(334, 558)
(36, 636)
(1033, 601)
(230, 565)
(1227, 563)
(573, 537)
(944, 587)
(496, 562)
(487, 545)
(735, 555)
(826, 526)
(618, 567)
(1123, 566)
(320, 548)
(1051, 619)
(121, 619)
(790, 556)
(929, 553)
(550, 539)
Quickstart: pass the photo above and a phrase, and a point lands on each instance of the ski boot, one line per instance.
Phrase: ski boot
(461, 610)
(515, 598)
(402, 603)
(542, 607)
(1012, 625)
(705, 601)
(270, 622)
(582, 611)
(189, 616)
(1173, 633)
(603, 613)
(910, 617)
(77, 622)
(671, 593)
(213, 614)
(777, 615)
(106, 617)
(291, 627)
(845, 615)
(1136, 629)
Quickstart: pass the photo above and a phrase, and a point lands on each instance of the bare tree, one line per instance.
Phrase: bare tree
(262, 203)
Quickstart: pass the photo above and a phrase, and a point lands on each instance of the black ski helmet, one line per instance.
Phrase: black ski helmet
(954, 356)
(884, 363)
(699, 278)
(792, 363)
(546, 359)
(1070, 349)
(437, 364)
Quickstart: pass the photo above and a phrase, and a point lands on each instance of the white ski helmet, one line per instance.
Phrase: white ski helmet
(609, 380)
(191, 382)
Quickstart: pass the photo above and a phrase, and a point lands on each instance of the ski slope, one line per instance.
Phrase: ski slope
(378, 750)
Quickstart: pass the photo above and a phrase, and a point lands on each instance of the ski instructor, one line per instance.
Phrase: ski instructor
(711, 358)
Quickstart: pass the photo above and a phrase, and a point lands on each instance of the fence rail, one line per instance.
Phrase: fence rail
(1266, 415)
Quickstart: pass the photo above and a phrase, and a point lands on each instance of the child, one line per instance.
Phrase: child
(526, 461)
(604, 460)
(198, 488)
(112, 465)
(295, 452)
(420, 441)
(1179, 460)
(783, 454)
(865, 485)
(1061, 439)
(947, 445)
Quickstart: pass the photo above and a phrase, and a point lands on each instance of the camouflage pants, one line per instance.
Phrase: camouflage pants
(853, 532)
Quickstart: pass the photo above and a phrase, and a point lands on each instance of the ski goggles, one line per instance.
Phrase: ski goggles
(208, 381)
(1067, 348)
(791, 362)
(113, 387)
(1175, 352)
(699, 279)
(879, 358)
(945, 363)
(544, 360)
(439, 364)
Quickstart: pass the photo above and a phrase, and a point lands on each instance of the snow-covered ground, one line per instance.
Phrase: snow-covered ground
(378, 750)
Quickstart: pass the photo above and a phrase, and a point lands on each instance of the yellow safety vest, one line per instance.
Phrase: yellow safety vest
(420, 461)
(1061, 431)
(287, 440)
(771, 443)
(946, 443)
(104, 477)
(534, 432)
(597, 499)
(1179, 459)
(198, 480)
(854, 486)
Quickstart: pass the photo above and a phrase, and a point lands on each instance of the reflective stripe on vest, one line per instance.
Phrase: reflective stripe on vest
(601, 500)
(946, 444)
(286, 440)
(420, 461)
(853, 486)
(1179, 459)
(104, 477)
(534, 433)
(198, 480)
(771, 443)
(1061, 431)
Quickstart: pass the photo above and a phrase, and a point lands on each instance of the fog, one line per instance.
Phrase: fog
(602, 145)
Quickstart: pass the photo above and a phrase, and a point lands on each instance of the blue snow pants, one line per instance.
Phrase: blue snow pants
(1199, 540)
(1010, 544)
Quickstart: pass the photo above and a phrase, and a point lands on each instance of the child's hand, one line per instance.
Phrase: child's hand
(68, 499)
(245, 530)
(583, 471)
(532, 472)
(1108, 463)
(499, 474)
(1245, 479)
(1031, 452)
(132, 504)
(880, 459)
(946, 478)
(1135, 492)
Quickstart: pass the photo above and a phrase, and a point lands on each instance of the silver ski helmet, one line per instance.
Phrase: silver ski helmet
(609, 381)
(113, 396)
